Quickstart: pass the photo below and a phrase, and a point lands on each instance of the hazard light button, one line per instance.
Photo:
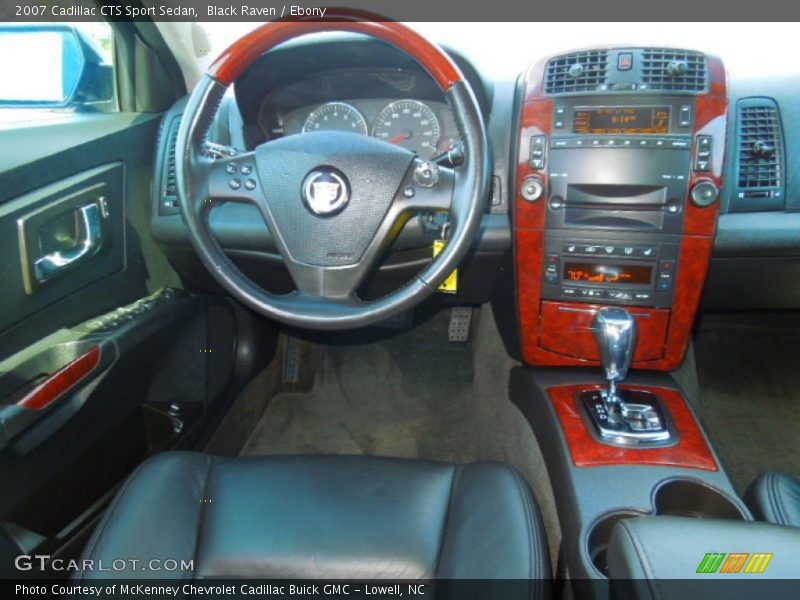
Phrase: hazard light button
(625, 61)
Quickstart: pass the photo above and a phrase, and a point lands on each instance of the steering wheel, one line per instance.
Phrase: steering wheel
(333, 201)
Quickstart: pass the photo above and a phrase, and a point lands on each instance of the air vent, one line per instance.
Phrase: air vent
(759, 155)
(674, 70)
(576, 72)
(169, 187)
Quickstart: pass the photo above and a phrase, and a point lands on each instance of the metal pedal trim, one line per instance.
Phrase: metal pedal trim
(291, 360)
(460, 321)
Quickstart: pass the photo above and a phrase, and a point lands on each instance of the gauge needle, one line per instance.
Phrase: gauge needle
(397, 139)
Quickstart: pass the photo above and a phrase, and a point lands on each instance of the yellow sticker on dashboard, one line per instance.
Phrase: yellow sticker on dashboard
(449, 285)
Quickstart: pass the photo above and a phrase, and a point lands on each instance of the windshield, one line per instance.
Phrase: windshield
(503, 50)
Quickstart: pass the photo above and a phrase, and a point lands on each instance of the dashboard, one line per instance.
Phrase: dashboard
(749, 236)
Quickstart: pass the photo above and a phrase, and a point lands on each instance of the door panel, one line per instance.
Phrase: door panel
(104, 359)
(74, 245)
(108, 360)
(117, 167)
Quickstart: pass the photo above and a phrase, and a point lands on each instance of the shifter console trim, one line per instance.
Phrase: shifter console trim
(690, 452)
(647, 424)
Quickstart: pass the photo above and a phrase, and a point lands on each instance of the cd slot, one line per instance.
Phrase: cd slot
(614, 205)
(628, 197)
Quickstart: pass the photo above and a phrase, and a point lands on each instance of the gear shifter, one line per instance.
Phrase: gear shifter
(615, 332)
(623, 417)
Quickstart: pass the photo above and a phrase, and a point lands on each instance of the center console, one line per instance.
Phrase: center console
(619, 166)
(619, 163)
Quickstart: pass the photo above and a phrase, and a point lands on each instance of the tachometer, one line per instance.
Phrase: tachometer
(410, 124)
(335, 116)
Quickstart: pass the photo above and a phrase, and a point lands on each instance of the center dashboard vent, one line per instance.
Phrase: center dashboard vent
(628, 70)
(674, 70)
(759, 156)
(576, 72)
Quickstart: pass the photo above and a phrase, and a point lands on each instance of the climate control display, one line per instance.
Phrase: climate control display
(607, 273)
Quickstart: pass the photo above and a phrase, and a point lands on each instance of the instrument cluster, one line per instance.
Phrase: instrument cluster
(425, 128)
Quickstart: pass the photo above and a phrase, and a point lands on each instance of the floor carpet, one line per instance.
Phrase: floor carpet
(750, 392)
(415, 395)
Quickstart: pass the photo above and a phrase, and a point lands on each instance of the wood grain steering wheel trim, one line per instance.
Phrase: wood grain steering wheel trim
(237, 57)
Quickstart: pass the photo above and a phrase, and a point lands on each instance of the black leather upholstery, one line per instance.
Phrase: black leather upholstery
(775, 497)
(644, 550)
(324, 517)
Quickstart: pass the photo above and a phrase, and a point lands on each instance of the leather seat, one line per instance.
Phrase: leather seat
(324, 517)
(775, 497)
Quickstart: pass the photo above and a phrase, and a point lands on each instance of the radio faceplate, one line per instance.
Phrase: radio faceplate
(617, 188)
(606, 115)
(634, 271)
(619, 163)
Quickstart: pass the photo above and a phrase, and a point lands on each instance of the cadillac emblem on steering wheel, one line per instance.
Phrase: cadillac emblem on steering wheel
(325, 191)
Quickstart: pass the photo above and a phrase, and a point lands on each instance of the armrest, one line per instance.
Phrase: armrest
(645, 549)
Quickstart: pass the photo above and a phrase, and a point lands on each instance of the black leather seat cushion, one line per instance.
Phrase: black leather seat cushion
(775, 497)
(324, 517)
(647, 549)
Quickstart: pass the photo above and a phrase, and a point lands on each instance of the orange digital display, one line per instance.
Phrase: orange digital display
(615, 120)
(605, 273)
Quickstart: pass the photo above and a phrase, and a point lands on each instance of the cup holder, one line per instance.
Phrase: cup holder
(689, 498)
(675, 497)
(600, 536)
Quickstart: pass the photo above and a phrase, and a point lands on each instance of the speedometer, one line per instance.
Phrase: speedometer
(335, 116)
(410, 124)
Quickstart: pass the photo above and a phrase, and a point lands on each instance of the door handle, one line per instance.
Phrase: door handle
(51, 264)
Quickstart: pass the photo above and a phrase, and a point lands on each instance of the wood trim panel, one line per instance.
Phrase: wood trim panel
(699, 227)
(62, 381)
(691, 451)
(566, 328)
(236, 58)
(710, 118)
(536, 118)
(693, 260)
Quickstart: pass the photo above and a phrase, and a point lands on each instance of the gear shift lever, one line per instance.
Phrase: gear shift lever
(623, 417)
(615, 332)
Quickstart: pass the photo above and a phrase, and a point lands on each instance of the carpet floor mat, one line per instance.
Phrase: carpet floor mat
(750, 392)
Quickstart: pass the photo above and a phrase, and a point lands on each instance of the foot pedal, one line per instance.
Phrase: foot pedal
(291, 360)
(460, 320)
(402, 321)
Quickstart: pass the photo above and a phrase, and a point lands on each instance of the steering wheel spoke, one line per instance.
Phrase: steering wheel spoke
(336, 284)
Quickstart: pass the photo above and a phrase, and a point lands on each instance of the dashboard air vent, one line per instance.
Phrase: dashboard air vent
(169, 187)
(576, 72)
(674, 70)
(759, 154)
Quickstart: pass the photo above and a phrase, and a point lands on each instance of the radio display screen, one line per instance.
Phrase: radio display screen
(607, 273)
(612, 120)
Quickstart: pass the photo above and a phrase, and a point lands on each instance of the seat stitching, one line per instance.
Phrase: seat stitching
(454, 475)
(200, 518)
(102, 526)
(533, 546)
